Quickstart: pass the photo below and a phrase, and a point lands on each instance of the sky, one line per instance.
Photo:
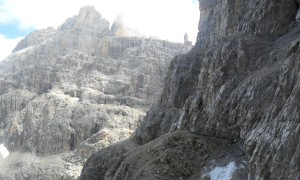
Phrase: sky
(164, 19)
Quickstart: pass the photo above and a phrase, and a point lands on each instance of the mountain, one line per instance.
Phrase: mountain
(68, 92)
(229, 108)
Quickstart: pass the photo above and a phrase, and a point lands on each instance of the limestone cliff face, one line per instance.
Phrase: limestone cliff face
(240, 85)
(69, 92)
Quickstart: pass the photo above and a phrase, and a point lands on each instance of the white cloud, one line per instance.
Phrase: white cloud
(166, 19)
(7, 45)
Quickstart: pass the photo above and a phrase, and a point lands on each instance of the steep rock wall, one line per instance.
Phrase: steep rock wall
(240, 83)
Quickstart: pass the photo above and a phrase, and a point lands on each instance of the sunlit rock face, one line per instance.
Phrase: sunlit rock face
(239, 85)
(67, 93)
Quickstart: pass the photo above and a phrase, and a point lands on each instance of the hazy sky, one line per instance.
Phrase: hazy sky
(165, 19)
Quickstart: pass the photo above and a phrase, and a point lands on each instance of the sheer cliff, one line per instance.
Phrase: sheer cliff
(230, 107)
(68, 92)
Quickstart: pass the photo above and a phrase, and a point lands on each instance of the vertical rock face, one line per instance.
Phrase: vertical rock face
(243, 17)
(67, 93)
(239, 84)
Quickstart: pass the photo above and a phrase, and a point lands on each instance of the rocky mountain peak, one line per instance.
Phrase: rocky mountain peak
(89, 15)
(87, 18)
(67, 93)
(34, 38)
(118, 26)
(120, 29)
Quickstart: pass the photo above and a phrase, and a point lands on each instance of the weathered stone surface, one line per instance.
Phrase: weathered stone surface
(88, 20)
(177, 155)
(28, 166)
(240, 83)
(72, 91)
(34, 38)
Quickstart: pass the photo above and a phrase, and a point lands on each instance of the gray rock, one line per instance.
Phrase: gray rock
(72, 91)
(88, 19)
(34, 38)
(239, 83)
(27, 166)
(175, 155)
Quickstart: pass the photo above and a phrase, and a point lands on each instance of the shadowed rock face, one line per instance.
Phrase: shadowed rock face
(244, 17)
(69, 92)
(239, 84)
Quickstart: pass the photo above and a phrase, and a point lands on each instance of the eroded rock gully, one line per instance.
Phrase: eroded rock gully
(239, 88)
(66, 93)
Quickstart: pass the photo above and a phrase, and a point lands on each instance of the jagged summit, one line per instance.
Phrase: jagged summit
(88, 10)
(88, 22)
(88, 17)
(120, 29)
(67, 93)
(34, 38)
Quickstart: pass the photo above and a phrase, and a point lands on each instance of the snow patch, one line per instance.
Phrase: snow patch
(223, 173)
(3, 150)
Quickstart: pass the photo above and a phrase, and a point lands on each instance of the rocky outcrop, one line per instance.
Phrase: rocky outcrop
(36, 37)
(239, 84)
(176, 155)
(81, 56)
(69, 92)
(27, 166)
(120, 29)
(88, 20)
